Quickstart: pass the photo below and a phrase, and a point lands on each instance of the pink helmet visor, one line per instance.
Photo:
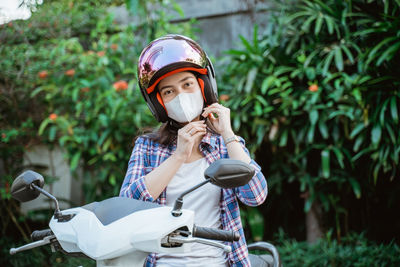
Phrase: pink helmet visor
(171, 52)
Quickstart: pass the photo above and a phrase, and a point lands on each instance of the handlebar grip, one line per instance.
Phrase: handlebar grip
(40, 234)
(216, 234)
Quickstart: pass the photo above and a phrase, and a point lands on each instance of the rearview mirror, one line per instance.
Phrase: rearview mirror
(229, 173)
(21, 188)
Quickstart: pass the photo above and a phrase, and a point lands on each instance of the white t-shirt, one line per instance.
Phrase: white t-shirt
(204, 201)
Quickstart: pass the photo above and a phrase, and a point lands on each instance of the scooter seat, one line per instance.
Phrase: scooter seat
(113, 209)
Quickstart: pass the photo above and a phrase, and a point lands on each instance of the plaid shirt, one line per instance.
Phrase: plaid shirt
(147, 155)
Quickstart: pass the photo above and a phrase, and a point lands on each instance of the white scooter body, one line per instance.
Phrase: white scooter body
(120, 243)
(122, 232)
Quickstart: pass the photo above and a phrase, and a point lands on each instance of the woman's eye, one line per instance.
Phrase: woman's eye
(188, 84)
(167, 92)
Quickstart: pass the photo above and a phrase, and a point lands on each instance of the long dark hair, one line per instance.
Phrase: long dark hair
(166, 134)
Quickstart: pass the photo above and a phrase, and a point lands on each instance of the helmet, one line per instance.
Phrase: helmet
(168, 55)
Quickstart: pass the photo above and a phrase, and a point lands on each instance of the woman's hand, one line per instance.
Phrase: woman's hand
(222, 124)
(187, 137)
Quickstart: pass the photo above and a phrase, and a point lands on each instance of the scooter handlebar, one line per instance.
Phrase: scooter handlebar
(40, 234)
(215, 234)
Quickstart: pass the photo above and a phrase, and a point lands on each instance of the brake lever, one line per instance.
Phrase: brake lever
(44, 241)
(178, 239)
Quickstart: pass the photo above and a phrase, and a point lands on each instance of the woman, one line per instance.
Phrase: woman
(177, 81)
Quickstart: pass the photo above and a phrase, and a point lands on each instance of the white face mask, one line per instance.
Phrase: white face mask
(185, 106)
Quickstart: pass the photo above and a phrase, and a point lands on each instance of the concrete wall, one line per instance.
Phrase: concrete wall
(52, 163)
(220, 22)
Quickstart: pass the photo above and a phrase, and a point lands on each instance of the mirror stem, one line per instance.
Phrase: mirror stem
(57, 212)
(177, 210)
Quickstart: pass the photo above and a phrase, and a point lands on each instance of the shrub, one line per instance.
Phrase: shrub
(317, 95)
(354, 250)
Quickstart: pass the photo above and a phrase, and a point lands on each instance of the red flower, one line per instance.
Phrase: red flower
(70, 72)
(7, 186)
(114, 47)
(101, 53)
(313, 88)
(120, 85)
(53, 116)
(43, 74)
(224, 97)
(3, 135)
(85, 89)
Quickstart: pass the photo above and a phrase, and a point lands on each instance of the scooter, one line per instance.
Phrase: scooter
(94, 230)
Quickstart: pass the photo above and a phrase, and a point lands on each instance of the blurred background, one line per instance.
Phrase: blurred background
(313, 87)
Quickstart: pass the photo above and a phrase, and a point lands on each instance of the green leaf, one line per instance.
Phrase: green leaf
(266, 84)
(328, 61)
(112, 180)
(358, 143)
(43, 126)
(307, 205)
(371, 54)
(251, 76)
(178, 9)
(329, 23)
(283, 139)
(256, 223)
(261, 100)
(323, 129)
(386, 55)
(310, 57)
(75, 160)
(313, 116)
(325, 160)
(338, 58)
(376, 134)
(318, 24)
(383, 111)
(348, 53)
(133, 6)
(52, 133)
(310, 134)
(393, 109)
(36, 91)
(361, 153)
(391, 133)
(339, 156)
(246, 44)
(357, 130)
(356, 187)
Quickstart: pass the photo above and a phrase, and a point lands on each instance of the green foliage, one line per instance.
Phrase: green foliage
(321, 88)
(353, 250)
(68, 79)
(76, 87)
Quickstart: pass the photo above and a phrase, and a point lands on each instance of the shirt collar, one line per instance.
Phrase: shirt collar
(210, 139)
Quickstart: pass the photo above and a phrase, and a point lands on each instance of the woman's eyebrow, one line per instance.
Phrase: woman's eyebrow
(186, 78)
(180, 81)
(164, 87)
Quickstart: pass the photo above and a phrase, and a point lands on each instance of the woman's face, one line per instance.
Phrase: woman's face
(181, 82)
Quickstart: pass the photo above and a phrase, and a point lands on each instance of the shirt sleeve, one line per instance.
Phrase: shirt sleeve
(134, 185)
(255, 191)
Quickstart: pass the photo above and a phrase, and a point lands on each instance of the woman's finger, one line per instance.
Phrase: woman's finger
(218, 111)
(198, 133)
(190, 125)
